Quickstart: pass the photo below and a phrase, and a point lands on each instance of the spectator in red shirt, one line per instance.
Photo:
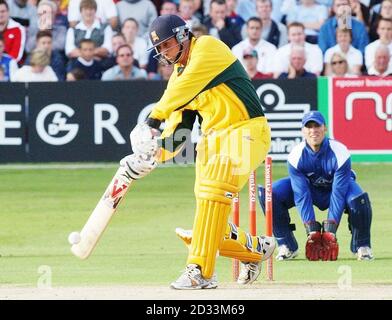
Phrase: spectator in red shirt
(251, 60)
(14, 34)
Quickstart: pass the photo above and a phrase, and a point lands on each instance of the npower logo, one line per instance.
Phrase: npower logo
(58, 131)
(360, 114)
(378, 106)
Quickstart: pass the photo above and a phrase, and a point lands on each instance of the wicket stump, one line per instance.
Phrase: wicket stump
(252, 186)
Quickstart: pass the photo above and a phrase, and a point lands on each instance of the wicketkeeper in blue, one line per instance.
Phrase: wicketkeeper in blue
(319, 175)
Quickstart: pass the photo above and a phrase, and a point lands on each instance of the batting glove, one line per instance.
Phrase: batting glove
(137, 166)
(144, 140)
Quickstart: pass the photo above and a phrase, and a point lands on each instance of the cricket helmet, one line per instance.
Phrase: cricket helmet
(165, 27)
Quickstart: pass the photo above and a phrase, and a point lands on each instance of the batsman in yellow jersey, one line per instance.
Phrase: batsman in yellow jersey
(210, 82)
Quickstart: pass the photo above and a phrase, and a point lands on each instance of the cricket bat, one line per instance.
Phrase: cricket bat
(103, 212)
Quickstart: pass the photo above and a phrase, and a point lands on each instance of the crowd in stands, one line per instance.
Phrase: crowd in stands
(71, 40)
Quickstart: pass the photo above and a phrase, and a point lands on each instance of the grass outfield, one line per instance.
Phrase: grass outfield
(39, 207)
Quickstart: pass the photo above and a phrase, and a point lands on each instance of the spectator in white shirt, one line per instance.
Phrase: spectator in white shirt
(130, 29)
(384, 31)
(297, 63)
(38, 70)
(339, 66)
(89, 28)
(354, 56)
(265, 50)
(380, 67)
(106, 12)
(312, 15)
(296, 35)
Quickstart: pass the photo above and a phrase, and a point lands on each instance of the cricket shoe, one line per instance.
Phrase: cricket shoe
(365, 253)
(213, 282)
(285, 253)
(250, 271)
(192, 279)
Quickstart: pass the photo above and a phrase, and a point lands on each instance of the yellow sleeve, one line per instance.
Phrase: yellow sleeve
(208, 58)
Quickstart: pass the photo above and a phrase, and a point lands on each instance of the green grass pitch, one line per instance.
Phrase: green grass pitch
(40, 207)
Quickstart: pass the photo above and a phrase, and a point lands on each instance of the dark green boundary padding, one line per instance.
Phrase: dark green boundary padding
(323, 105)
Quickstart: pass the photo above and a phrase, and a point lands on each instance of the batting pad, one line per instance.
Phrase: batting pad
(237, 244)
(217, 186)
(240, 245)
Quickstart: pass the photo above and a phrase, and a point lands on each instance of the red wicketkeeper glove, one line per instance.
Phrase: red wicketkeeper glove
(313, 247)
(330, 250)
